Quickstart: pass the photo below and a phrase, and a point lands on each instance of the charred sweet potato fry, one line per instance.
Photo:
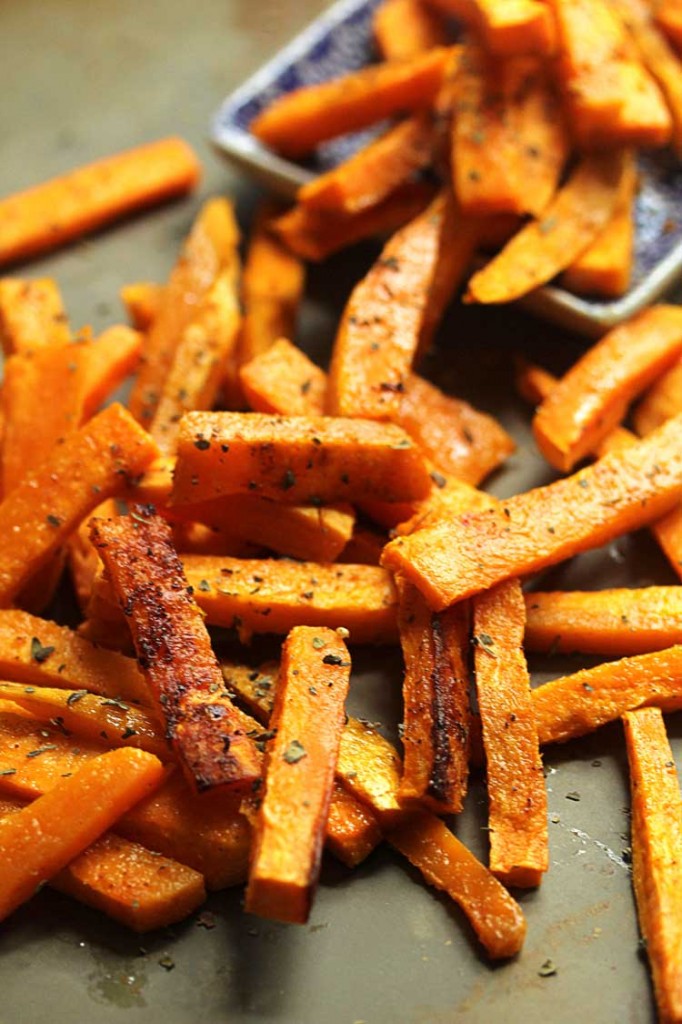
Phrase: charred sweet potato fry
(519, 851)
(209, 248)
(41, 839)
(31, 315)
(609, 622)
(307, 719)
(620, 492)
(93, 464)
(300, 120)
(656, 839)
(295, 459)
(592, 398)
(579, 703)
(207, 732)
(57, 211)
(436, 703)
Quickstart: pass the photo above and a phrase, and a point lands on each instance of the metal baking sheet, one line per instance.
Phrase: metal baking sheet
(87, 77)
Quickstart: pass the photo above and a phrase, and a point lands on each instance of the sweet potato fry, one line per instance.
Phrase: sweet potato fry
(93, 464)
(593, 396)
(382, 323)
(77, 377)
(295, 459)
(307, 719)
(129, 883)
(314, 235)
(300, 120)
(509, 144)
(458, 438)
(271, 596)
(57, 211)
(611, 99)
(446, 863)
(31, 315)
(436, 702)
(206, 731)
(142, 300)
(545, 247)
(610, 622)
(605, 268)
(528, 532)
(40, 653)
(661, 402)
(283, 380)
(41, 840)
(449, 497)
(507, 29)
(668, 16)
(96, 718)
(209, 248)
(519, 853)
(577, 704)
(376, 170)
(272, 286)
(370, 767)
(299, 531)
(403, 29)
(83, 561)
(199, 361)
(657, 853)
(208, 834)
(352, 829)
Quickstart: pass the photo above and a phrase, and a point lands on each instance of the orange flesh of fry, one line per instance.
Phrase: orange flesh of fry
(605, 268)
(142, 301)
(577, 704)
(283, 380)
(662, 401)
(91, 465)
(31, 315)
(40, 840)
(300, 120)
(210, 247)
(609, 622)
(519, 853)
(593, 396)
(403, 29)
(307, 719)
(543, 248)
(57, 211)
(508, 29)
(657, 853)
(295, 459)
(468, 554)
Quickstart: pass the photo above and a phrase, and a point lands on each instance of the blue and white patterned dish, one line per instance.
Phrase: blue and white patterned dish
(340, 40)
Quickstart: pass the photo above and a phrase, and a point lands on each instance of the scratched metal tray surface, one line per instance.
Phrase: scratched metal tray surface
(89, 77)
(339, 41)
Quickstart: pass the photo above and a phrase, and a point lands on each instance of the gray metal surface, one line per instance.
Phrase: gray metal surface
(85, 77)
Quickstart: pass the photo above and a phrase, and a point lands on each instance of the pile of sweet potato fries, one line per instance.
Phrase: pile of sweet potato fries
(245, 487)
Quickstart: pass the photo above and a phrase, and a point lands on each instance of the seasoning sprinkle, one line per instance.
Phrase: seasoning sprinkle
(294, 752)
(38, 652)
